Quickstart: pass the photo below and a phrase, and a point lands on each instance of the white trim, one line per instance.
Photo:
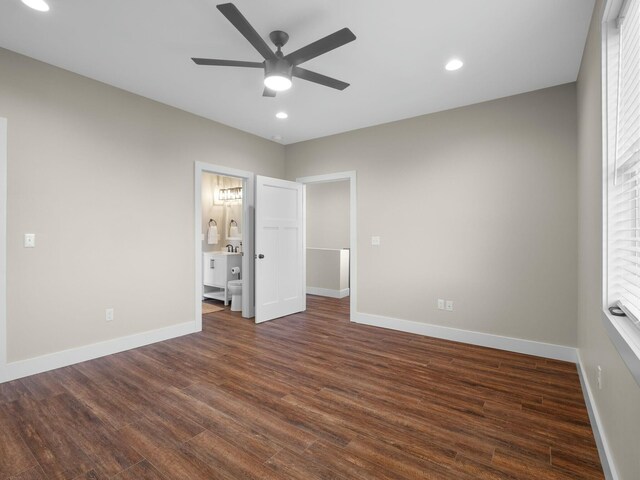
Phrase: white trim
(248, 264)
(604, 451)
(3, 249)
(353, 228)
(31, 366)
(519, 345)
(304, 246)
(327, 292)
(626, 338)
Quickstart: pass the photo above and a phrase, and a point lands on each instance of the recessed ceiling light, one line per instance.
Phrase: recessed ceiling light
(282, 115)
(454, 64)
(39, 5)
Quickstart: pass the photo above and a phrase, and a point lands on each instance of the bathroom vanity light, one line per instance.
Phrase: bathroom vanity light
(228, 194)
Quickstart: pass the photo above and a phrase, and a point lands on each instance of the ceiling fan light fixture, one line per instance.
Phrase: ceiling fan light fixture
(277, 74)
(279, 68)
(277, 83)
(39, 5)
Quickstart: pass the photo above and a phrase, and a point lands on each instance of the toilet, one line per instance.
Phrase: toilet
(235, 290)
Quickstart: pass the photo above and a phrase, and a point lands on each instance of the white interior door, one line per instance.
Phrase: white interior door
(280, 263)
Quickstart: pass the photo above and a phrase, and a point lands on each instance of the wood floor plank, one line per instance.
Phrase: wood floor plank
(579, 464)
(348, 465)
(14, 390)
(301, 467)
(15, 456)
(140, 471)
(177, 464)
(44, 385)
(34, 473)
(227, 459)
(271, 426)
(250, 441)
(93, 474)
(392, 458)
(308, 396)
(102, 444)
(149, 434)
(104, 400)
(50, 442)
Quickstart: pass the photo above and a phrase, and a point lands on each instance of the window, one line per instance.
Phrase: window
(623, 158)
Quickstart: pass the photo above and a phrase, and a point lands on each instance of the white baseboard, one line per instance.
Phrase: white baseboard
(31, 366)
(326, 292)
(604, 451)
(519, 345)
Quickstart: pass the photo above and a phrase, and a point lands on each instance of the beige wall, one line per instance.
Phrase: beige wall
(618, 403)
(476, 205)
(328, 215)
(105, 180)
(328, 269)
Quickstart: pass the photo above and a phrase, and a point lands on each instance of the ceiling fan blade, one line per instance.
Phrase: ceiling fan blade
(227, 63)
(318, 78)
(324, 45)
(268, 93)
(230, 11)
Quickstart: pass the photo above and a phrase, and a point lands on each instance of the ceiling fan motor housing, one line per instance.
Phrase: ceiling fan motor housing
(277, 66)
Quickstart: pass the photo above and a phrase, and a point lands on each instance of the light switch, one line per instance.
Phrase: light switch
(29, 240)
(375, 241)
(449, 306)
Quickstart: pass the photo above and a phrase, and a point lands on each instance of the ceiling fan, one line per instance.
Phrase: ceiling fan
(279, 68)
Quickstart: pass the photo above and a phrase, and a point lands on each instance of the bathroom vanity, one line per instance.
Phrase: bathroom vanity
(216, 273)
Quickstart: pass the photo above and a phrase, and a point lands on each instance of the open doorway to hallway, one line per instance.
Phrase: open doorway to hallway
(328, 242)
(331, 236)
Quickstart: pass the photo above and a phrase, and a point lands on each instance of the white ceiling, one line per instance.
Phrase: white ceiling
(395, 66)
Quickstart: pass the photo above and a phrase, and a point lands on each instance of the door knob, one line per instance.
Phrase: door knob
(260, 256)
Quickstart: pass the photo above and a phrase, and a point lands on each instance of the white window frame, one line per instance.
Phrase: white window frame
(623, 333)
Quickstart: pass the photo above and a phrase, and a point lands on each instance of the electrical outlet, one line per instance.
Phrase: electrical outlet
(375, 241)
(599, 380)
(449, 306)
(29, 240)
(108, 314)
(440, 304)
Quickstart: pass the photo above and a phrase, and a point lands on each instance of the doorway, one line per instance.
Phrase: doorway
(249, 233)
(331, 243)
(218, 190)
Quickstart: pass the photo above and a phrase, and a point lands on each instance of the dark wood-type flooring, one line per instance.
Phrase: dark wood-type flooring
(308, 396)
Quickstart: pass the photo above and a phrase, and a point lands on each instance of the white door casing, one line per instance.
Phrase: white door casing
(280, 249)
(3, 250)
(247, 236)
